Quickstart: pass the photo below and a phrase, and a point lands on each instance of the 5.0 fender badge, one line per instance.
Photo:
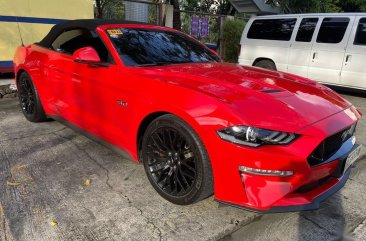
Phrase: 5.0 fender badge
(122, 103)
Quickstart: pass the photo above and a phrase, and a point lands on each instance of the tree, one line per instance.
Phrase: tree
(100, 4)
(176, 14)
(207, 6)
(300, 6)
(351, 5)
(296, 6)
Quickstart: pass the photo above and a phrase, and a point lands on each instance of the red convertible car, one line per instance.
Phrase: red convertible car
(257, 139)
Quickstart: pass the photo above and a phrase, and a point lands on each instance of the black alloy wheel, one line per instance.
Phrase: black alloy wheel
(29, 100)
(176, 162)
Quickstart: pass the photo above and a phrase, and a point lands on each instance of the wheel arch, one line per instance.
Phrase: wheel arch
(263, 58)
(18, 73)
(190, 120)
(143, 126)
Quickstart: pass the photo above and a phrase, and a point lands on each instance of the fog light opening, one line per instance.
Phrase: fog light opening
(263, 172)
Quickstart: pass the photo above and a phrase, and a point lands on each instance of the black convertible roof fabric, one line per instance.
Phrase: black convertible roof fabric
(88, 24)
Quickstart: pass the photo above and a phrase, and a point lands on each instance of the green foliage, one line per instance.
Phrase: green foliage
(317, 6)
(207, 6)
(233, 30)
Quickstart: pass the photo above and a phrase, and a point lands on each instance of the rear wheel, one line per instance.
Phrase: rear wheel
(266, 64)
(29, 99)
(176, 162)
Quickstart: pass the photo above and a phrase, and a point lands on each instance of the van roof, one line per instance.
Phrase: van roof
(311, 15)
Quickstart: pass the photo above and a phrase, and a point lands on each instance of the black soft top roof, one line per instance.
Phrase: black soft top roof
(88, 24)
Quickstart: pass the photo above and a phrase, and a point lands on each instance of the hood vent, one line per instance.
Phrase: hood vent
(271, 91)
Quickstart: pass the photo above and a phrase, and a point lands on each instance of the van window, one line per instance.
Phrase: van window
(306, 29)
(332, 30)
(361, 33)
(272, 29)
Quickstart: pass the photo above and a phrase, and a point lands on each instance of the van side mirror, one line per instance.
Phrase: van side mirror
(88, 55)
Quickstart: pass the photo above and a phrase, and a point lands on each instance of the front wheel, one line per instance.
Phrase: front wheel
(176, 162)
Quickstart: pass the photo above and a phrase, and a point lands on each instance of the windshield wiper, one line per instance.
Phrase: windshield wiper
(169, 63)
(154, 64)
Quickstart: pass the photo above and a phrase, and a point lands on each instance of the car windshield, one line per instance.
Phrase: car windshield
(147, 47)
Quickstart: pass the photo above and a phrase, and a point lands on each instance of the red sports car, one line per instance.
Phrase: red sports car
(258, 139)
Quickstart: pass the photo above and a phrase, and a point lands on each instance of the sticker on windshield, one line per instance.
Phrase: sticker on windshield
(114, 33)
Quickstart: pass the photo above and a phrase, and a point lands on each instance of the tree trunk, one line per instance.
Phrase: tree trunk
(99, 13)
(176, 14)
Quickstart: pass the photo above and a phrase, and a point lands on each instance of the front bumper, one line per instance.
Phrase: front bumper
(304, 190)
(311, 200)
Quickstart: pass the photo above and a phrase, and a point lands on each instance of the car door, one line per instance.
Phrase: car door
(300, 50)
(328, 50)
(93, 93)
(95, 98)
(84, 93)
(354, 71)
(59, 62)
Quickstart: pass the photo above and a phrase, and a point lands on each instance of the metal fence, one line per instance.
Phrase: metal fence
(203, 26)
(133, 10)
(206, 27)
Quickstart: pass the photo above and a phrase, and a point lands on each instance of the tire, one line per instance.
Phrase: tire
(266, 64)
(29, 99)
(176, 161)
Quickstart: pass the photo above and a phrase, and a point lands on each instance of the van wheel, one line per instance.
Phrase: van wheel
(266, 64)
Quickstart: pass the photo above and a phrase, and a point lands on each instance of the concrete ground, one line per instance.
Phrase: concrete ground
(58, 185)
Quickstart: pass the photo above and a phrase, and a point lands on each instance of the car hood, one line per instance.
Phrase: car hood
(264, 98)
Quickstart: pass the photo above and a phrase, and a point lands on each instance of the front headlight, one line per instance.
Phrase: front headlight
(254, 137)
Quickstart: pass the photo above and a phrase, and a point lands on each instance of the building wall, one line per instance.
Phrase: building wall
(35, 19)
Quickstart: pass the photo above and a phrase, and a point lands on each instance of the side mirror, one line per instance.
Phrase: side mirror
(88, 55)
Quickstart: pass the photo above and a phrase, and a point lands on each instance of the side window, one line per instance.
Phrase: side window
(332, 30)
(306, 29)
(272, 29)
(71, 40)
(361, 33)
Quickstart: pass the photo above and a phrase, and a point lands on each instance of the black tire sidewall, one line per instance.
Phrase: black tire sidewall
(38, 114)
(203, 172)
(266, 64)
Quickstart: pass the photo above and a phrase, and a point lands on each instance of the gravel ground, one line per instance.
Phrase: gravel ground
(58, 185)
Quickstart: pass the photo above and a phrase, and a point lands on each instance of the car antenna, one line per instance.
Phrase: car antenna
(20, 33)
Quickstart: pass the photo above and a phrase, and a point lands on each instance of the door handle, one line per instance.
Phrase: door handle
(51, 66)
(315, 56)
(348, 58)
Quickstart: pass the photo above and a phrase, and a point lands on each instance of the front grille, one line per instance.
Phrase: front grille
(330, 146)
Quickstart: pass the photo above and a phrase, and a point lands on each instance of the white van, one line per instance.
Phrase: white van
(329, 48)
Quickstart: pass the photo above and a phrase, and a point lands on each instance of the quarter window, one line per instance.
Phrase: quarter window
(67, 42)
(361, 33)
(332, 30)
(272, 29)
(306, 29)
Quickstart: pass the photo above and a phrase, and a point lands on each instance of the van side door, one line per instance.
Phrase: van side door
(301, 46)
(354, 71)
(328, 50)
